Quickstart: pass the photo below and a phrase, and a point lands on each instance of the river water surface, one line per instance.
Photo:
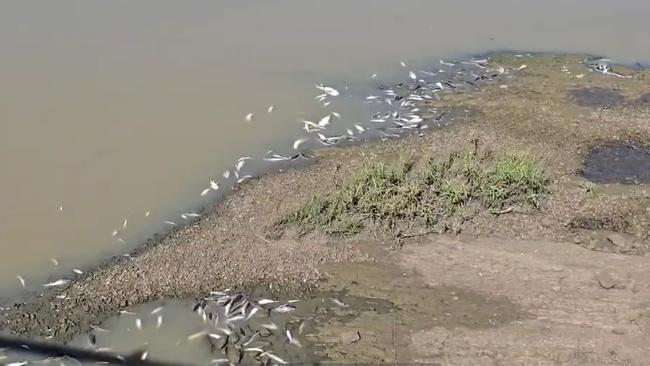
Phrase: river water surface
(115, 115)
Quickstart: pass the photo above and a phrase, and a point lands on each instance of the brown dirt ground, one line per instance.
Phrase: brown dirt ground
(461, 300)
(232, 246)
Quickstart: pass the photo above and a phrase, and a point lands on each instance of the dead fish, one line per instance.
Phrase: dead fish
(521, 67)
(265, 301)
(214, 185)
(451, 64)
(125, 312)
(412, 75)
(249, 117)
(321, 97)
(144, 356)
(60, 282)
(244, 178)
(54, 261)
(284, 309)
(205, 191)
(214, 336)
(159, 321)
(403, 63)
(289, 336)
(220, 361)
(126, 222)
(21, 279)
(269, 326)
(241, 161)
(170, 223)
(225, 331)
(273, 357)
(338, 302)
(235, 318)
(194, 336)
(138, 323)
(146, 214)
(97, 328)
(328, 90)
(253, 312)
(78, 271)
(226, 174)
(325, 121)
(253, 349)
(298, 142)
(270, 109)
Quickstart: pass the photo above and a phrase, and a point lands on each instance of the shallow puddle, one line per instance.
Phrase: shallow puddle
(626, 163)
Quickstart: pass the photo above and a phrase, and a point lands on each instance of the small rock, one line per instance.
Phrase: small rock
(555, 288)
(618, 330)
(577, 240)
(606, 281)
(350, 337)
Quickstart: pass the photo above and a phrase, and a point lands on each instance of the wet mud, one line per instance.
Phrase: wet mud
(376, 335)
(596, 97)
(625, 163)
(644, 100)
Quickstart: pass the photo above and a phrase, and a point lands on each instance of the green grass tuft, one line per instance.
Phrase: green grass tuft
(439, 191)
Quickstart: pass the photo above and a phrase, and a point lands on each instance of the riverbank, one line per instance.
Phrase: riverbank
(554, 110)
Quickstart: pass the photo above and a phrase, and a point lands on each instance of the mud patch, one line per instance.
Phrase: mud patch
(386, 334)
(644, 100)
(596, 97)
(625, 163)
(595, 223)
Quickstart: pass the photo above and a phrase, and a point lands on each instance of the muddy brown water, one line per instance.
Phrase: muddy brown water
(112, 110)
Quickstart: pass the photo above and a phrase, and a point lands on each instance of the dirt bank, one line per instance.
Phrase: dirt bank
(541, 111)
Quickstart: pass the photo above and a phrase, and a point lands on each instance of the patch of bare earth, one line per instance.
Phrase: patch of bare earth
(585, 307)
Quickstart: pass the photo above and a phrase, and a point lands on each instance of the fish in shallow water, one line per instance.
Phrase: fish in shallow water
(328, 90)
(60, 282)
